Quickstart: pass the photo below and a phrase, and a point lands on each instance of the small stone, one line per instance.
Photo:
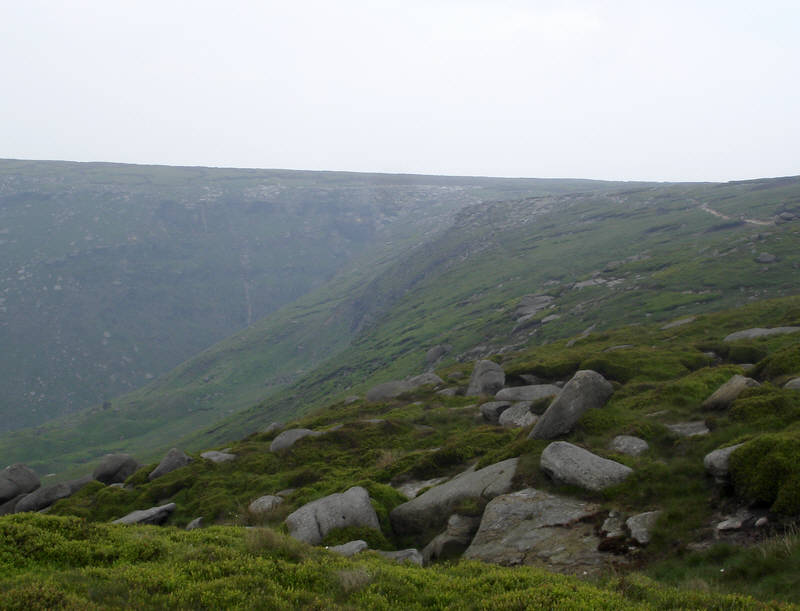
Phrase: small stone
(629, 445)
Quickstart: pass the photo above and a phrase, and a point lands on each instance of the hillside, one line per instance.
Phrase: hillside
(114, 274)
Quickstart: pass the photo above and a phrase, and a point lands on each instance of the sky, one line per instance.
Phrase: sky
(620, 90)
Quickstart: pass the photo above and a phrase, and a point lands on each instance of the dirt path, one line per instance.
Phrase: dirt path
(711, 211)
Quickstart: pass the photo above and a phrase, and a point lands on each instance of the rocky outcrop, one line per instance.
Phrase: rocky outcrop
(44, 497)
(351, 548)
(487, 378)
(15, 480)
(532, 527)
(174, 459)
(729, 392)
(641, 525)
(311, 522)
(568, 464)
(264, 504)
(288, 438)
(430, 509)
(454, 540)
(218, 457)
(717, 463)
(533, 392)
(517, 416)
(492, 410)
(404, 556)
(759, 332)
(586, 390)
(154, 515)
(628, 445)
(115, 468)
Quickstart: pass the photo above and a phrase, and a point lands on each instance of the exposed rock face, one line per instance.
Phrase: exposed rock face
(174, 459)
(265, 503)
(569, 464)
(487, 378)
(586, 390)
(641, 525)
(115, 468)
(793, 384)
(289, 437)
(430, 509)
(536, 528)
(533, 392)
(154, 515)
(218, 457)
(454, 540)
(518, 416)
(627, 444)
(351, 548)
(15, 480)
(728, 392)
(492, 410)
(311, 522)
(696, 428)
(404, 555)
(759, 332)
(717, 463)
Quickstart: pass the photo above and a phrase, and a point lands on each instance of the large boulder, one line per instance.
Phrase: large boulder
(43, 497)
(154, 515)
(174, 459)
(532, 527)
(431, 509)
(517, 416)
(641, 525)
(487, 378)
(728, 392)
(264, 504)
(759, 332)
(115, 468)
(629, 445)
(586, 390)
(15, 480)
(568, 464)
(454, 540)
(395, 388)
(289, 437)
(492, 410)
(533, 392)
(793, 384)
(312, 521)
(717, 463)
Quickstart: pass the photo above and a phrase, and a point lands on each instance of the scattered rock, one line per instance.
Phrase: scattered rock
(487, 378)
(532, 527)
(629, 445)
(289, 437)
(454, 540)
(793, 384)
(518, 416)
(447, 392)
(115, 468)
(174, 459)
(195, 524)
(533, 392)
(729, 524)
(728, 392)
(641, 525)
(218, 457)
(530, 305)
(759, 332)
(568, 464)
(425, 379)
(265, 503)
(351, 548)
(491, 411)
(430, 509)
(679, 323)
(351, 399)
(586, 390)
(689, 429)
(613, 526)
(716, 463)
(314, 520)
(154, 515)
(17, 479)
(402, 556)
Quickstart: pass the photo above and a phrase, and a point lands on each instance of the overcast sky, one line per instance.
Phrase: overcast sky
(651, 90)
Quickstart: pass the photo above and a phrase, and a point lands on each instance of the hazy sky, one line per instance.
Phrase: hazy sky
(640, 89)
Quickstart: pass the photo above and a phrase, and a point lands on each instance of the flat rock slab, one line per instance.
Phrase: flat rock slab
(154, 515)
(351, 548)
(759, 332)
(218, 457)
(487, 378)
(532, 392)
(628, 445)
(568, 464)
(536, 528)
(586, 390)
(696, 428)
(717, 463)
(288, 438)
(311, 522)
(432, 508)
(518, 416)
(729, 392)
(174, 459)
